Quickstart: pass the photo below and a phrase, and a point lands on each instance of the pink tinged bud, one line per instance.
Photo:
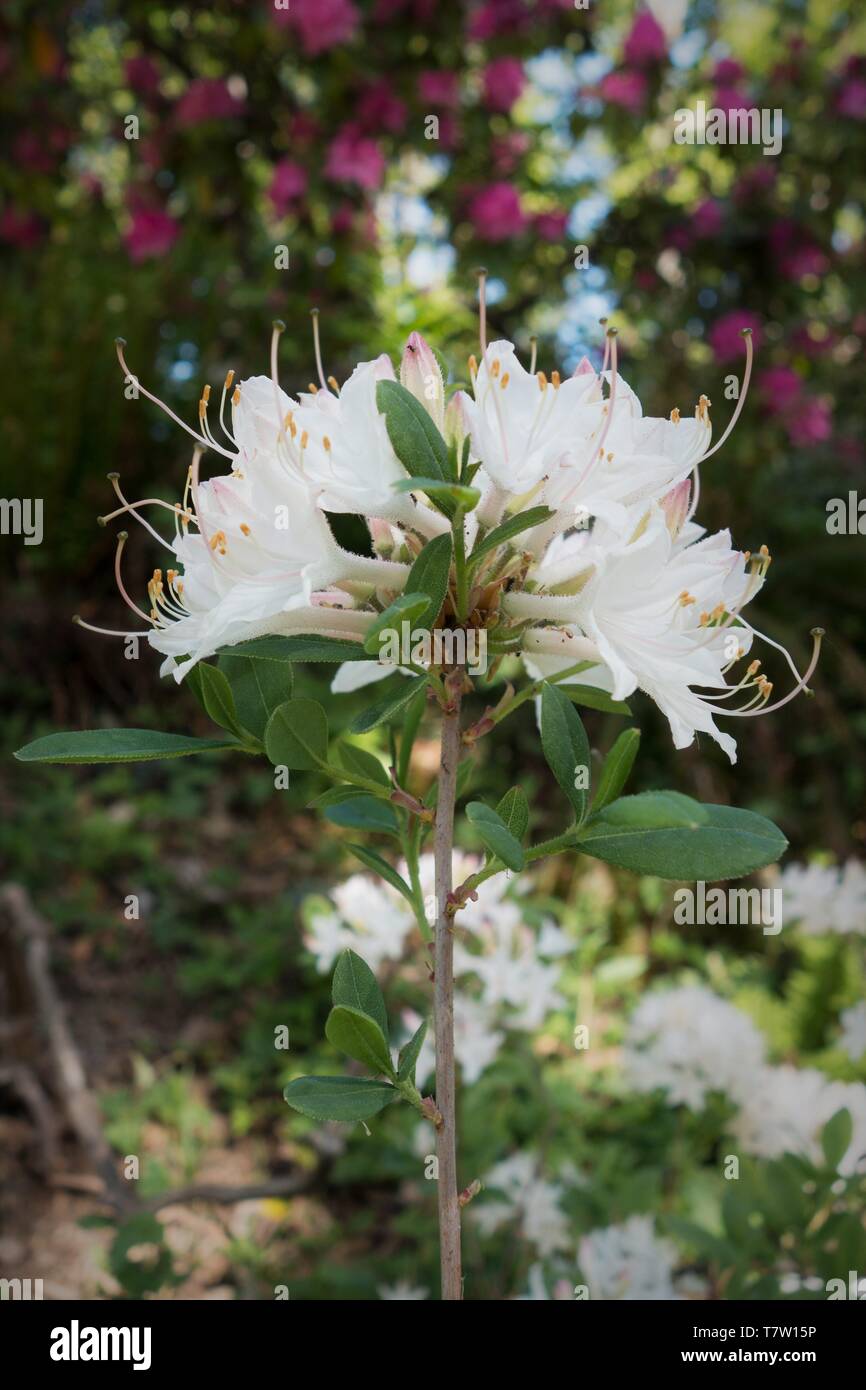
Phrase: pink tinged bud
(383, 369)
(676, 506)
(584, 368)
(381, 535)
(420, 374)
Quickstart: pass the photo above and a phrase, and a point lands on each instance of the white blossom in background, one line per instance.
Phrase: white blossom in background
(536, 1288)
(689, 1042)
(402, 1292)
(825, 898)
(783, 1110)
(628, 1262)
(853, 1037)
(507, 971)
(526, 1198)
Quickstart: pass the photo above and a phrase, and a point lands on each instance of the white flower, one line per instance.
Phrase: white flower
(371, 919)
(628, 1262)
(402, 1291)
(853, 1039)
(783, 1110)
(524, 1196)
(521, 424)
(826, 899)
(477, 1040)
(690, 1043)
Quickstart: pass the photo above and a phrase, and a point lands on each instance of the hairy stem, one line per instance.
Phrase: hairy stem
(449, 1207)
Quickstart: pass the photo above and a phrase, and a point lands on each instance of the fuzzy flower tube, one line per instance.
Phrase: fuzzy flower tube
(532, 542)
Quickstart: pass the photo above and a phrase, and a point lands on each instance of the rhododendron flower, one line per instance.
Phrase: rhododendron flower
(725, 335)
(355, 158)
(625, 88)
(289, 182)
(496, 213)
(207, 99)
(322, 24)
(439, 88)
(150, 233)
(504, 81)
(646, 43)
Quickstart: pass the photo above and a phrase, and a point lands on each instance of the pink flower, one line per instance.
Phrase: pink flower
(289, 182)
(796, 252)
(646, 43)
(322, 24)
(379, 109)
(439, 88)
(625, 88)
(780, 387)
(725, 337)
(503, 83)
(19, 228)
(550, 226)
(142, 74)
(728, 71)
(207, 99)
(707, 219)
(754, 182)
(151, 233)
(343, 219)
(810, 422)
(496, 214)
(355, 158)
(851, 100)
(508, 150)
(498, 17)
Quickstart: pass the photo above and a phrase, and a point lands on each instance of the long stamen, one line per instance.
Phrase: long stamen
(122, 538)
(482, 308)
(227, 386)
(802, 684)
(746, 334)
(108, 631)
(314, 315)
(533, 342)
(120, 344)
(130, 507)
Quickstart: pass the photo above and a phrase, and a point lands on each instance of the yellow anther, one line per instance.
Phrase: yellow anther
(245, 528)
(473, 364)
(675, 416)
(305, 439)
(313, 389)
(326, 444)
(753, 668)
(205, 395)
(236, 396)
(505, 380)
(227, 384)
(334, 384)
(555, 378)
(494, 370)
(686, 598)
(542, 380)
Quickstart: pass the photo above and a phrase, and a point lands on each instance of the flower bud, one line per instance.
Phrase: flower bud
(456, 422)
(420, 374)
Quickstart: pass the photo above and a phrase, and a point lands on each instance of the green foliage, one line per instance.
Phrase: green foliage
(296, 735)
(495, 834)
(566, 747)
(116, 746)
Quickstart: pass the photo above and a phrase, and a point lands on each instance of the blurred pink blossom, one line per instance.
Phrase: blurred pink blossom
(646, 43)
(810, 421)
(289, 181)
(625, 88)
(496, 214)
(498, 17)
(379, 109)
(355, 158)
(780, 387)
(439, 88)
(322, 24)
(796, 252)
(851, 100)
(207, 99)
(725, 337)
(508, 150)
(20, 228)
(707, 219)
(151, 233)
(504, 80)
(142, 74)
(550, 226)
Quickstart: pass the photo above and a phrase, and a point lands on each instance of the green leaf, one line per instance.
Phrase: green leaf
(364, 813)
(414, 438)
(406, 608)
(408, 1057)
(616, 768)
(216, 694)
(355, 985)
(514, 811)
(335, 795)
(565, 746)
(362, 763)
(521, 521)
(672, 836)
(592, 698)
(495, 835)
(311, 647)
(429, 575)
(338, 1097)
(116, 746)
(359, 1036)
(466, 497)
(258, 686)
(371, 860)
(296, 735)
(389, 705)
(836, 1137)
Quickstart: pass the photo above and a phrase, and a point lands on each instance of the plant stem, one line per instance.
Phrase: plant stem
(443, 1009)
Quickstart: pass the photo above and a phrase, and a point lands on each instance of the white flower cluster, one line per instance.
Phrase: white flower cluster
(628, 1262)
(506, 971)
(826, 898)
(614, 574)
(524, 1197)
(689, 1043)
